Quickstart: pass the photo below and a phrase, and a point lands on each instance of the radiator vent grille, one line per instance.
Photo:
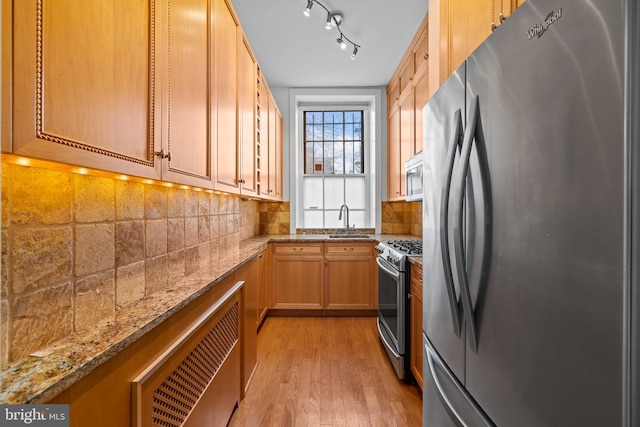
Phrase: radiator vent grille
(176, 396)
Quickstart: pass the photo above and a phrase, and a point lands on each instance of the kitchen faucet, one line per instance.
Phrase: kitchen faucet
(346, 222)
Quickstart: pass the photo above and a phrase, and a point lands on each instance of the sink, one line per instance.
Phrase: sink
(349, 236)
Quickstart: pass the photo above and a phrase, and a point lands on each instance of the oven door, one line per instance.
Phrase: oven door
(391, 305)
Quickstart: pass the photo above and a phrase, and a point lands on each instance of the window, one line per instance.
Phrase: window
(334, 171)
(333, 142)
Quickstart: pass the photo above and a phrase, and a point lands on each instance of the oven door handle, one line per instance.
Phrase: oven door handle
(390, 271)
(386, 343)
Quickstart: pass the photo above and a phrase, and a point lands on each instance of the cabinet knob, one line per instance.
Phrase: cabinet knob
(501, 18)
(493, 27)
(241, 181)
(163, 155)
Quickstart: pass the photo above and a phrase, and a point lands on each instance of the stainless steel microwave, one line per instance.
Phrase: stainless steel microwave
(413, 178)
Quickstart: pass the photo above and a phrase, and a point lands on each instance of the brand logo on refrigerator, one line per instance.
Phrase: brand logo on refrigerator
(538, 30)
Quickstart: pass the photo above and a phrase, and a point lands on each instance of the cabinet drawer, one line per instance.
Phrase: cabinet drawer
(362, 248)
(297, 249)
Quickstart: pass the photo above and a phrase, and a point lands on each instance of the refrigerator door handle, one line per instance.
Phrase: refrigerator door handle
(473, 415)
(458, 218)
(444, 222)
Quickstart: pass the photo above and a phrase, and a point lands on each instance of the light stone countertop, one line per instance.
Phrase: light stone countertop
(50, 371)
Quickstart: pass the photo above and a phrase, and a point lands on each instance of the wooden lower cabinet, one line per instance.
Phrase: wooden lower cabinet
(105, 397)
(416, 323)
(329, 276)
(263, 286)
(248, 273)
(349, 277)
(298, 276)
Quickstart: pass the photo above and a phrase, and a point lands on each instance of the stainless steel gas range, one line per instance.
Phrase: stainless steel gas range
(393, 300)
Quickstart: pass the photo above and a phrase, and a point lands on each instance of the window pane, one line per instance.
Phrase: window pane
(357, 218)
(348, 157)
(317, 133)
(338, 159)
(355, 192)
(312, 192)
(313, 219)
(357, 158)
(348, 132)
(338, 132)
(328, 157)
(331, 219)
(333, 192)
(308, 157)
(317, 157)
(328, 132)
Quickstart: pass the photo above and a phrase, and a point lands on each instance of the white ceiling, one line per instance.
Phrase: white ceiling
(297, 51)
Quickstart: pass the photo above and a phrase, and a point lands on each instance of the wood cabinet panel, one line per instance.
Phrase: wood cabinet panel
(421, 97)
(394, 170)
(298, 282)
(187, 82)
(249, 274)
(83, 88)
(278, 180)
(345, 249)
(264, 269)
(407, 133)
(416, 323)
(247, 119)
(349, 282)
(226, 89)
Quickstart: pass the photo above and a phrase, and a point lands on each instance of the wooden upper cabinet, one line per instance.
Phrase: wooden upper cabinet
(407, 133)
(278, 179)
(421, 97)
(226, 89)
(394, 171)
(262, 132)
(187, 83)
(456, 29)
(83, 88)
(247, 72)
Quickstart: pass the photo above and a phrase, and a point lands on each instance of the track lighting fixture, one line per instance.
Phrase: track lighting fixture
(333, 20)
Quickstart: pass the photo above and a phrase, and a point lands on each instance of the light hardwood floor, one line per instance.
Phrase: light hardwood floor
(325, 371)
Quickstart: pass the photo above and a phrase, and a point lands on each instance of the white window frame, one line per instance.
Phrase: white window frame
(372, 101)
(366, 156)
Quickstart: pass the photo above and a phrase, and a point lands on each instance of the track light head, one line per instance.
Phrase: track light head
(327, 26)
(355, 52)
(343, 44)
(307, 11)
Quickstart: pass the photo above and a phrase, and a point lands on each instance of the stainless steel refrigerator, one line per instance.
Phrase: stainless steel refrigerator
(531, 224)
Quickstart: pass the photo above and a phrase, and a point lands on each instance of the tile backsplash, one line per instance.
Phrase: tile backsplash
(76, 248)
(402, 218)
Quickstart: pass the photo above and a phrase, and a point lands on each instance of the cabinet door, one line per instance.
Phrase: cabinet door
(186, 87)
(265, 143)
(421, 97)
(273, 142)
(407, 133)
(468, 24)
(247, 119)
(297, 282)
(249, 274)
(349, 283)
(83, 88)
(263, 286)
(416, 324)
(226, 89)
(394, 171)
(279, 180)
